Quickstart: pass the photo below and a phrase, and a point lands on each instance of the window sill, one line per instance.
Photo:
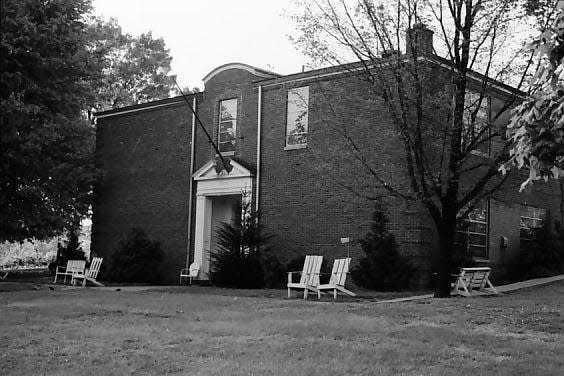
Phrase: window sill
(295, 147)
(227, 153)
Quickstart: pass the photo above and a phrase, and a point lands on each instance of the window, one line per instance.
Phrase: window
(479, 128)
(472, 233)
(227, 129)
(296, 121)
(530, 219)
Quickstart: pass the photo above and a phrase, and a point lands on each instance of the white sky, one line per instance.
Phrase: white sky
(204, 34)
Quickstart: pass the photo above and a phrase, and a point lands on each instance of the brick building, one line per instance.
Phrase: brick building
(287, 154)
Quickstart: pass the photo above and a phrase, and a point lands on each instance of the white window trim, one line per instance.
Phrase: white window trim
(234, 121)
(486, 234)
(538, 218)
(296, 146)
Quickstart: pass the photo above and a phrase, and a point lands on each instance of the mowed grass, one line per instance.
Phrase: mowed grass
(185, 331)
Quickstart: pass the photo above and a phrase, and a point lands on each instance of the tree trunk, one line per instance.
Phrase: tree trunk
(447, 230)
(442, 283)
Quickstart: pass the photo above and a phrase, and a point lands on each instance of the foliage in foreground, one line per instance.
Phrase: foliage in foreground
(244, 258)
(383, 268)
(136, 259)
(70, 250)
(537, 124)
(56, 64)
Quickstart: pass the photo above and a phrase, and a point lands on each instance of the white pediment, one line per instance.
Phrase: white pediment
(208, 172)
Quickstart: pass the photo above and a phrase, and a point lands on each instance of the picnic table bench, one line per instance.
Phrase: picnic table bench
(471, 280)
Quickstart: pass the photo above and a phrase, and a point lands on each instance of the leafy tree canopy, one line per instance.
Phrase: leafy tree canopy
(537, 124)
(135, 69)
(56, 62)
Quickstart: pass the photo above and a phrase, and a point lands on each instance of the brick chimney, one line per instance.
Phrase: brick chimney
(420, 39)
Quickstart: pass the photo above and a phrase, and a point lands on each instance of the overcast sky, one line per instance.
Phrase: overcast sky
(203, 34)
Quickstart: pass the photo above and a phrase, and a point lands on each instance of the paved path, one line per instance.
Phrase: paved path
(501, 289)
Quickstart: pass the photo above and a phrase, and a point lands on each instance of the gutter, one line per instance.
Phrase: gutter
(191, 185)
(259, 124)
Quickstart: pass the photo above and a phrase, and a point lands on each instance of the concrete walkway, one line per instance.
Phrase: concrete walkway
(502, 289)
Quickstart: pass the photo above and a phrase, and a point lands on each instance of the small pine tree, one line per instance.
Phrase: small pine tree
(71, 250)
(243, 258)
(543, 256)
(383, 268)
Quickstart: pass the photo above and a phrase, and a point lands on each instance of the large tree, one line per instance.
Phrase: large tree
(57, 62)
(46, 170)
(135, 68)
(452, 145)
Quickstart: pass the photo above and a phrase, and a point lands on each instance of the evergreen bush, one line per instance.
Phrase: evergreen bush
(71, 250)
(542, 256)
(136, 259)
(243, 258)
(382, 268)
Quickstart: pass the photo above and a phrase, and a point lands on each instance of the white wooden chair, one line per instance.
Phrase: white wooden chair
(338, 278)
(472, 279)
(191, 272)
(309, 278)
(90, 274)
(73, 267)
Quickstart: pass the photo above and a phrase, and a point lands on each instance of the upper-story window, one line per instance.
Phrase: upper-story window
(227, 129)
(297, 117)
(476, 123)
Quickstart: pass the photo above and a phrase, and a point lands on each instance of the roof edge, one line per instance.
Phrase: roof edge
(249, 68)
(144, 106)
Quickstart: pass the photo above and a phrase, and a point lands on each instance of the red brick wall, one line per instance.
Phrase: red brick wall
(145, 159)
(309, 197)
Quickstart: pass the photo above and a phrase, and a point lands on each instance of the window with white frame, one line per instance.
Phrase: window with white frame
(530, 219)
(477, 128)
(472, 233)
(227, 129)
(297, 117)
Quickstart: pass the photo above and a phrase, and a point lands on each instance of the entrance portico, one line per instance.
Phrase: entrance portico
(217, 197)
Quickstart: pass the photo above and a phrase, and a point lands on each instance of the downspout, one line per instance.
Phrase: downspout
(259, 123)
(191, 185)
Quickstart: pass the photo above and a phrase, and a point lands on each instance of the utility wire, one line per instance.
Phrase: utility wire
(226, 164)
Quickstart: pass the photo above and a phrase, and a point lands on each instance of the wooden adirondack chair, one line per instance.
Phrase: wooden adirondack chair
(73, 267)
(472, 279)
(338, 279)
(90, 274)
(191, 272)
(309, 278)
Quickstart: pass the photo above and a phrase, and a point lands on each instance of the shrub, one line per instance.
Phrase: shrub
(69, 251)
(542, 256)
(383, 268)
(136, 260)
(243, 258)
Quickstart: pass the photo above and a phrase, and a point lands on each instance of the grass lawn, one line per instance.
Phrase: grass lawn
(205, 331)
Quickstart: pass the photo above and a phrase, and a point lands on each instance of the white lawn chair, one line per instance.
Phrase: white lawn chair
(90, 274)
(73, 267)
(309, 278)
(472, 279)
(338, 279)
(191, 272)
